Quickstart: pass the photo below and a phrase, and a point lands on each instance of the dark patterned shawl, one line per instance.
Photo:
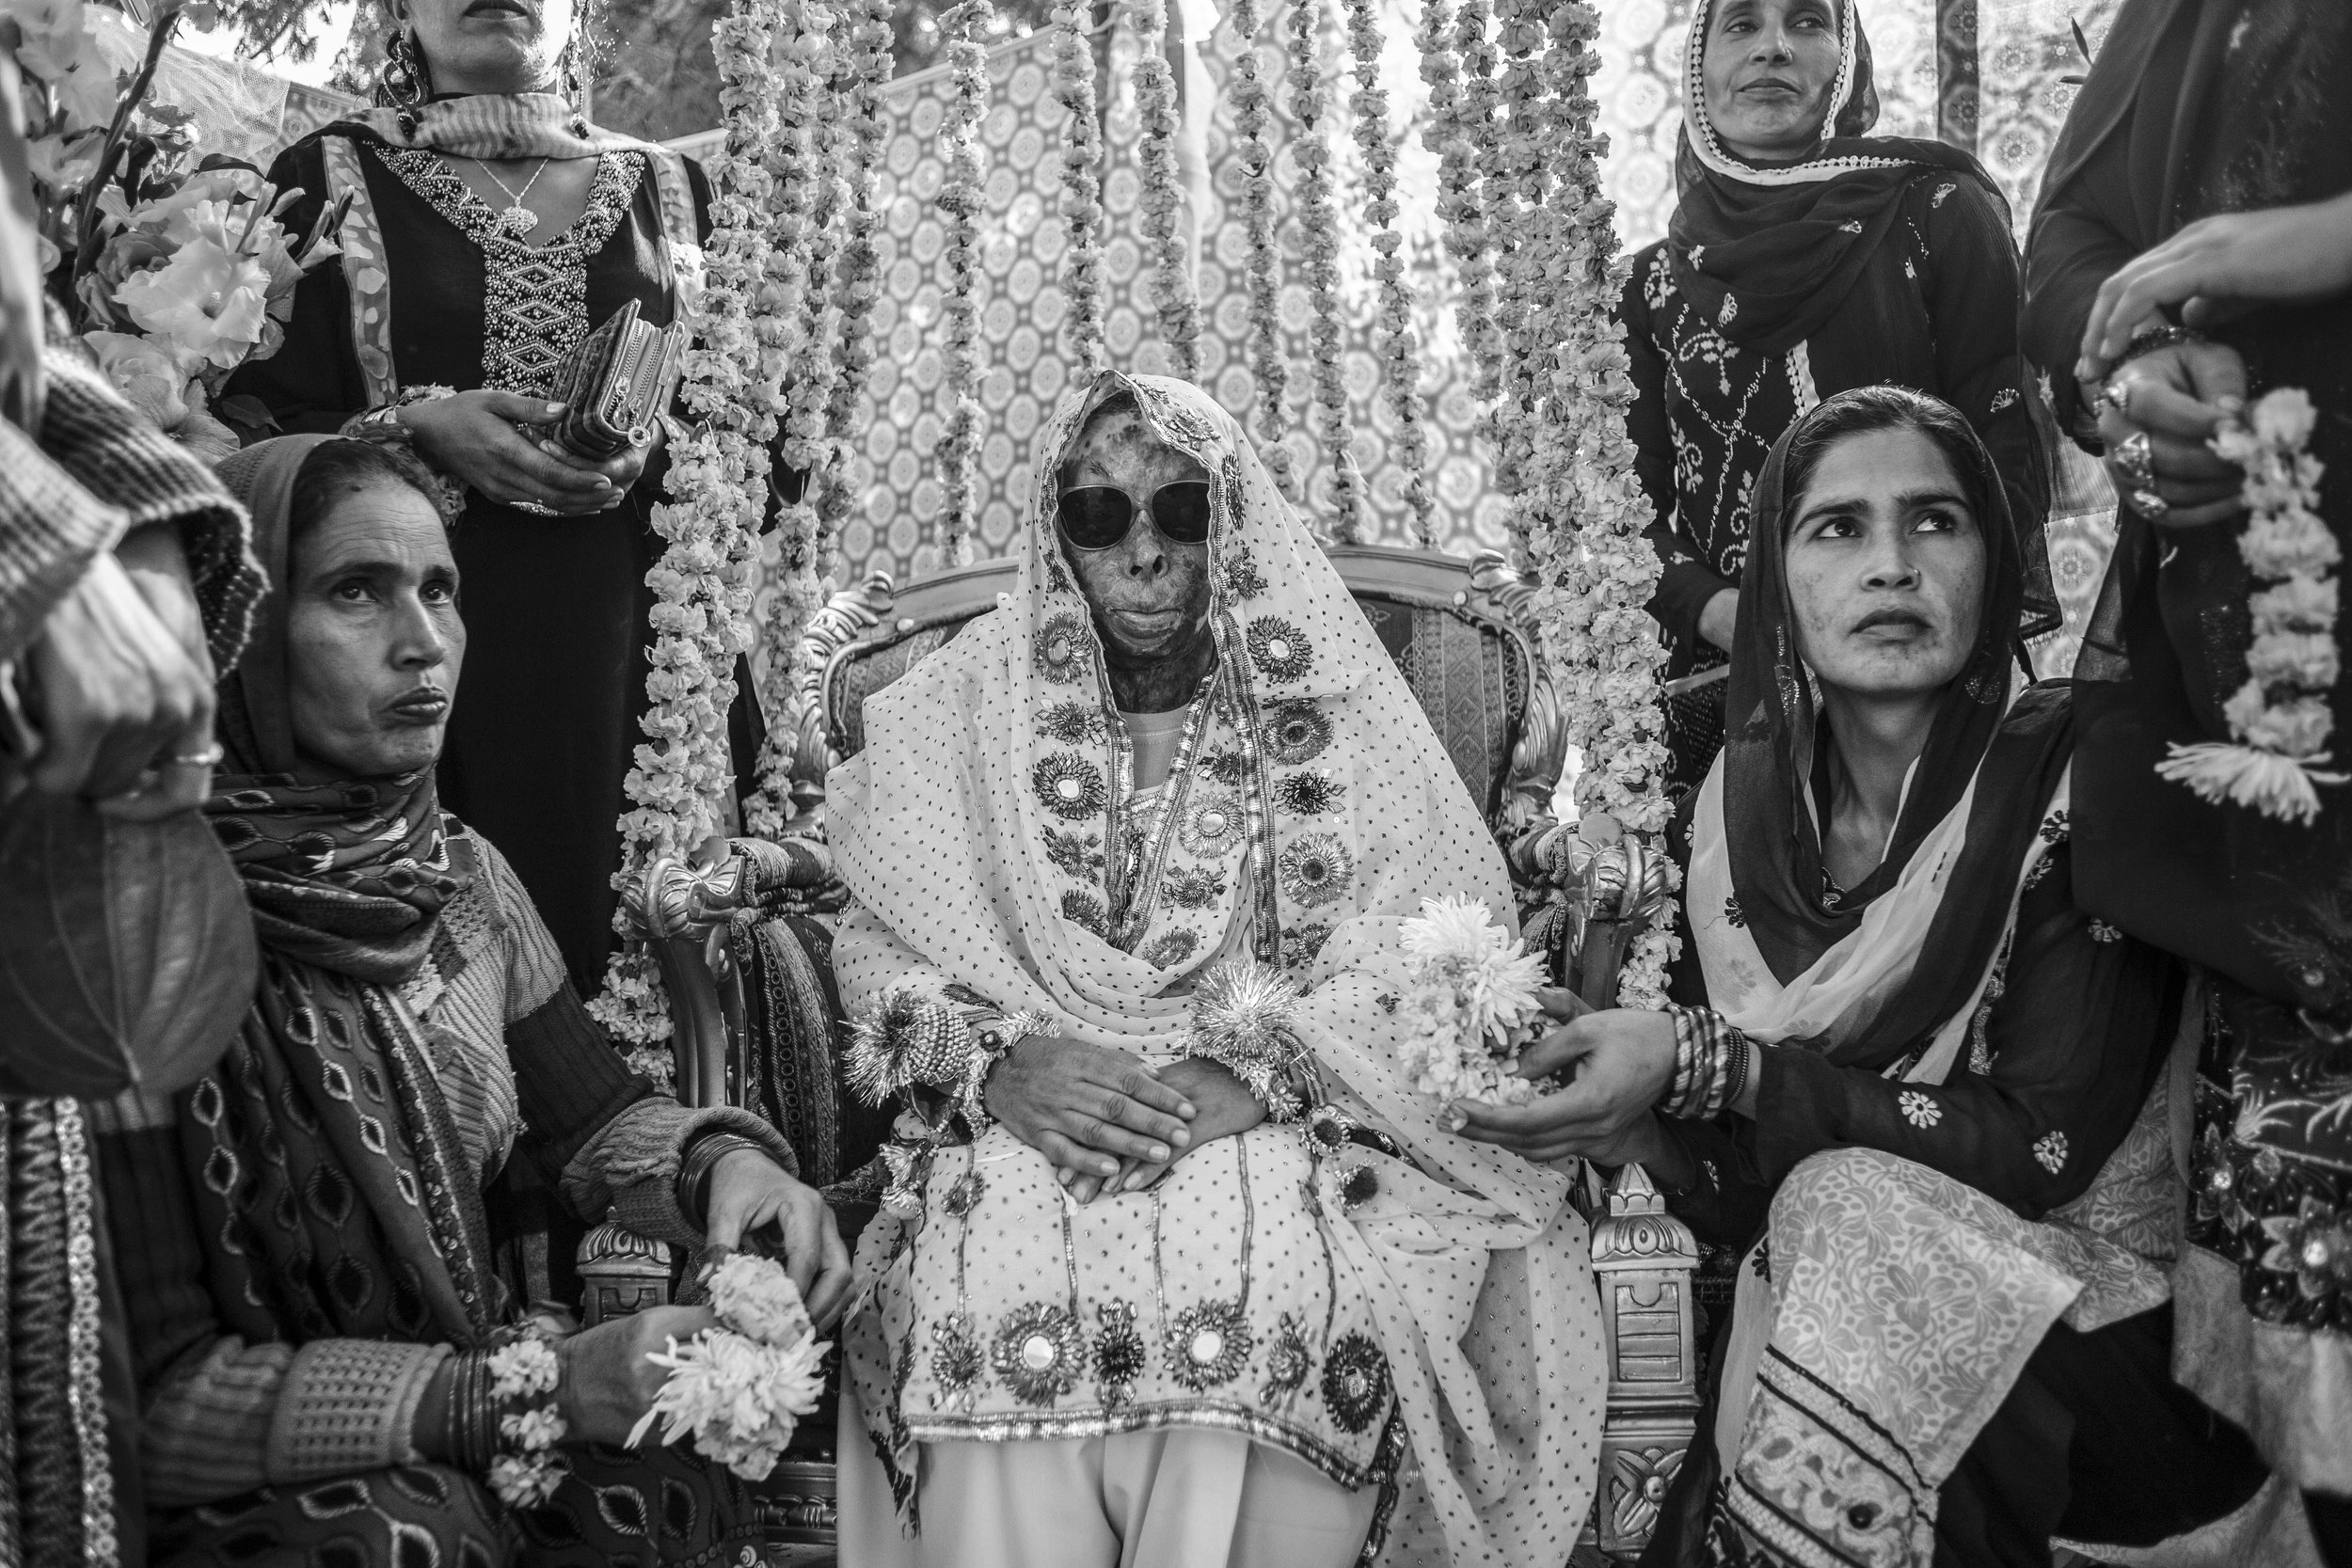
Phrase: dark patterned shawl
(329, 1175)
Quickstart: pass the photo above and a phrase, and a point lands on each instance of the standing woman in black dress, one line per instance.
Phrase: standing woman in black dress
(1805, 257)
(490, 228)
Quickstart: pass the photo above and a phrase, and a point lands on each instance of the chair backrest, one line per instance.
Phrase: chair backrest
(1456, 628)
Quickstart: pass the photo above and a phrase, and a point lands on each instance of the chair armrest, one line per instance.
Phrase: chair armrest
(1645, 1259)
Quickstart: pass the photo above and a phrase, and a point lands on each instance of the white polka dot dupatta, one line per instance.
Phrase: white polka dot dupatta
(986, 834)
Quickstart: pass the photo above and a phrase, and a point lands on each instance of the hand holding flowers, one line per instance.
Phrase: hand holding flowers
(1623, 1062)
(741, 1388)
(1469, 1004)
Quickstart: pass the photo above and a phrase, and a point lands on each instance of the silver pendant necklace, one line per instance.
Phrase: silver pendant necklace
(517, 220)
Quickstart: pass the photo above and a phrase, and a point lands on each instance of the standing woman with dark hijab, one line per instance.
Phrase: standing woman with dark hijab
(490, 228)
(1805, 257)
(2193, 252)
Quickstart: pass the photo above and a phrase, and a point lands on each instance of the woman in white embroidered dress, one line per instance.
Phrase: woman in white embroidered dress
(1178, 747)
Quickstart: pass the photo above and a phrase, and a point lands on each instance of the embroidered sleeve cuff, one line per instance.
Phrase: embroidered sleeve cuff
(349, 1406)
(630, 1170)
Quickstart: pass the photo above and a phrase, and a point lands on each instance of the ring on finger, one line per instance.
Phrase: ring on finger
(534, 507)
(2136, 455)
(2149, 504)
(2119, 396)
(208, 757)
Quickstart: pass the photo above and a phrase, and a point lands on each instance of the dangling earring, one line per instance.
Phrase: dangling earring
(405, 80)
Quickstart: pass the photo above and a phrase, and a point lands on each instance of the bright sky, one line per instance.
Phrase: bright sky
(332, 30)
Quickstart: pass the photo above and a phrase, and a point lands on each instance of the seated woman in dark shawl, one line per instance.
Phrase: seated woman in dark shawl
(1805, 257)
(316, 1292)
(1926, 1091)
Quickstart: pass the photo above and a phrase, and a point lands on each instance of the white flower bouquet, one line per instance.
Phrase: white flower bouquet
(740, 1389)
(175, 271)
(1472, 998)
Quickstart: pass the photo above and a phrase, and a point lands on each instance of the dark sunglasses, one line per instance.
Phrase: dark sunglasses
(1096, 516)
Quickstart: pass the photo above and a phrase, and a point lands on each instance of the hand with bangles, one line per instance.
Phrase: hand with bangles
(1623, 1064)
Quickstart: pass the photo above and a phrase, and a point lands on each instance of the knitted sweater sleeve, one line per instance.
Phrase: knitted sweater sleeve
(221, 1416)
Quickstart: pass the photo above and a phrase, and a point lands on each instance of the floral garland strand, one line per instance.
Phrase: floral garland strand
(1400, 345)
(1585, 510)
(1481, 103)
(1309, 102)
(2280, 721)
(808, 194)
(1269, 364)
(1162, 217)
(959, 197)
(1514, 181)
(717, 488)
(1080, 187)
(1460, 114)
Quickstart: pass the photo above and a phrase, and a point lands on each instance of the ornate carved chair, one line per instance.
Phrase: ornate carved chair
(1461, 634)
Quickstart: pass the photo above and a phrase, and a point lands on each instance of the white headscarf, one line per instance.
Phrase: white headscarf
(1310, 802)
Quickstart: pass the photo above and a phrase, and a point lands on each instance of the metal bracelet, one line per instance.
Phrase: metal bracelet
(703, 1158)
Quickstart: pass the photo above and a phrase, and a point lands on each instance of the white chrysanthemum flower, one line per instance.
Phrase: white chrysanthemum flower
(1454, 927)
(754, 1296)
(738, 1398)
(539, 1427)
(525, 1368)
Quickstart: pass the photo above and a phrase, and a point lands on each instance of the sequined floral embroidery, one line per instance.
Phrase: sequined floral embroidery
(1059, 649)
(1212, 825)
(1918, 1109)
(1279, 650)
(1287, 1362)
(2050, 1149)
(1308, 793)
(1170, 948)
(1356, 1382)
(1316, 869)
(964, 1195)
(1038, 1352)
(1084, 910)
(1208, 1345)
(1071, 723)
(1078, 855)
(957, 1361)
(1070, 786)
(1191, 887)
(1224, 766)
(1296, 732)
(1242, 577)
(1120, 1356)
(1302, 944)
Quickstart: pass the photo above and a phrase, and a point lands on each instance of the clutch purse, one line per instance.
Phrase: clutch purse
(616, 383)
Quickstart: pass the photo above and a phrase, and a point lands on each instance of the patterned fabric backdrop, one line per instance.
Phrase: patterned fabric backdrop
(2017, 50)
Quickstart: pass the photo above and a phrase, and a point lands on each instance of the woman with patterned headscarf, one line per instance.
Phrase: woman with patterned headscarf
(1805, 256)
(1133, 1319)
(333, 1325)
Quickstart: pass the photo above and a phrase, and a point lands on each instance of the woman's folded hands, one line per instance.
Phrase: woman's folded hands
(1088, 1107)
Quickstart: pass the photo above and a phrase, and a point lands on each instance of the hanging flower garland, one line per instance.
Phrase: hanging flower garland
(1269, 364)
(1081, 186)
(2279, 723)
(1512, 182)
(1320, 226)
(1163, 219)
(1583, 508)
(1481, 100)
(1460, 116)
(717, 488)
(806, 191)
(959, 197)
(1400, 346)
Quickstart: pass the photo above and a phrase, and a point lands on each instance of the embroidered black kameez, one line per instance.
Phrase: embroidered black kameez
(556, 607)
